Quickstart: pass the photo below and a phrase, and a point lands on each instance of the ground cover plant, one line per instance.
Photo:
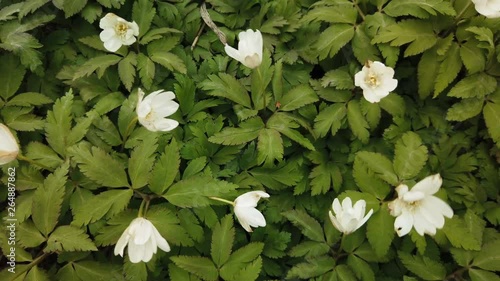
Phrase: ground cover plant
(250, 140)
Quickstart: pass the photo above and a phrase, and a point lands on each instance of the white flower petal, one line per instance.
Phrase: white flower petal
(348, 218)
(162, 243)
(440, 206)
(232, 52)
(122, 243)
(428, 185)
(113, 44)
(165, 125)
(403, 223)
(250, 48)
(336, 223)
(154, 107)
(9, 149)
(365, 219)
(250, 199)
(117, 32)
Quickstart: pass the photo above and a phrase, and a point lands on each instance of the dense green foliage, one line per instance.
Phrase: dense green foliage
(296, 127)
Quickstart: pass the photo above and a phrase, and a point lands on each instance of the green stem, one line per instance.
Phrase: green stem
(31, 161)
(457, 18)
(222, 200)
(263, 93)
(141, 208)
(355, 2)
(31, 265)
(147, 206)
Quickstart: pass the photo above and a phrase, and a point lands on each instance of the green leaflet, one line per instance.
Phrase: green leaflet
(308, 225)
(165, 169)
(380, 231)
(410, 156)
(194, 191)
(222, 241)
(332, 39)
(138, 164)
(69, 238)
(106, 203)
(423, 266)
(200, 266)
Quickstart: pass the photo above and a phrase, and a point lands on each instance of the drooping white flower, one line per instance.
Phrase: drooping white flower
(488, 8)
(8, 145)
(152, 110)
(117, 32)
(376, 80)
(247, 214)
(250, 47)
(348, 218)
(143, 240)
(419, 208)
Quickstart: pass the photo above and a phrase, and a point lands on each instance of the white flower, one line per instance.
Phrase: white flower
(8, 145)
(117, 32)
(151, 111)
(143, 240)
(419, 208)
(348, 218)
(247, 214)
(488, 8)
(249, 51)
(376, 81)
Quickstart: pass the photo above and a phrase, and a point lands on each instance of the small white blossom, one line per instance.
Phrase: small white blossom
(376, 80)
(249, 51)
(488, 8)
(8, 145)
(247, 214)
(348, 218)
(117, 32)
(419, 208)
(152, 110)
(143, 240)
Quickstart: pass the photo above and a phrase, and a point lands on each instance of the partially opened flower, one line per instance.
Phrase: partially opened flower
(419, 208)
(142, 239)
(348, 218)
(376, 80)
(8, 145)
(247, 214)
(152, 110)
(488, 8)
(249, 51)
(117, 32)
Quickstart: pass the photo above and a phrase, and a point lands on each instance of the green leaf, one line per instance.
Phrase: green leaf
(226, 86)
(309, 249)
(380, 165)
(482, 275)
(269, 146)
(135, 271)
(72, 7)
(139, 164)
(333, 39)
(316, 266)
(194, 167)
(146, 69)
(99, 64)
(338, 78)
(357, 121)
(165, 169)
(126, 70)
(419, 8)
(460, 236)
(491, 113)
(13, 74)
(69, 238)
(394, 104)
(472, 57)
(48, 199)
(143, 14)
(368, 181)
(332, 14)
(240, 259)
(428, 68)
(99, 166)
(361, 268)
(285, 174)
(283, 123)
(222, 241)
(7, 11)
(465, 109)
(58, 123)
(200, 266)
(307, 224)
(474, 86)
(91, 12)
(418, 33)
(28, 235)
(298, 97)
(248, 131)
(361, 46)
(108, 203)
(40, 152)
(330, 119)
(410, 156)
(194, 191)
(29, 99)
(380, 231)
(93, 270)
(325, 176)
(489, 256)
(169, 60)
(448, 69)
(423, 266)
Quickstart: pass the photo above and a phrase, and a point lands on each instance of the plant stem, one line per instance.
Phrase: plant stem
(31, 161)
(222, 200)
(355, 2)
(263, 93)
(141, 208)
(31, 265)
